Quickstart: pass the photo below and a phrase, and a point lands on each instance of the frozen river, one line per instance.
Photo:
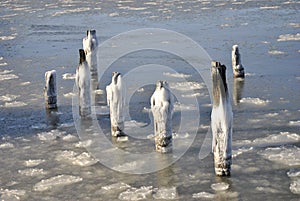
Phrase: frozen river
(44, 157)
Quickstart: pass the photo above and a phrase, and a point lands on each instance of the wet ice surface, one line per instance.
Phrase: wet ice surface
(42, 157)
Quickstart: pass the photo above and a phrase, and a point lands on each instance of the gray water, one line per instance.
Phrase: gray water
(42, 156)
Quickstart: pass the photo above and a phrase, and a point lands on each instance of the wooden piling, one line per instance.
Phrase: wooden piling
(83, 79)
(162, 104)
(50, 90)
(237, 67)
(221, 121)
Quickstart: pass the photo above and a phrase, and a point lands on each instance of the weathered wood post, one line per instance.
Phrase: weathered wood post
(50, 90)
(83, 79)
(238, 87)
(237, 67)
(90, 47)
(115, 101)
(162, 104)
(221, 121)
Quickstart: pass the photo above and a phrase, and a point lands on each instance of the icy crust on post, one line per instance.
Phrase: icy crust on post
(115, 101)
(162, 105)
(221, 121)
(90, 47)
(83, 79)
(50, 90)
(238, 69)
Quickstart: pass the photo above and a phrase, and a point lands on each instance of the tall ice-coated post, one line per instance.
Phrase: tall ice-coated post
(83, 79)
(90, 47)
(162, 104)
(50, 90)
(221, 121)
(237, 67)
(115, 101)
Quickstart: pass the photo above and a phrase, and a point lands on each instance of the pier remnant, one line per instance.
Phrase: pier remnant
(162, 104)
(83, 79)
(115, 101)
(237, 67)
(90, 47)
(50, 90)
(221, 121)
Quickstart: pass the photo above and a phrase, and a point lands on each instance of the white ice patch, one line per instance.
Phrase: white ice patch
(165, 193)
(7, 75)
(220, 186)
(76, 10)
(276, 52)
(271, 140)
(69, 95)
(294, 25)
(3, 64)
(295, 186)
(84, 144)
(141, 193)
(8, 97)
(68, 76)
(240, 151)
(56, 181)
(133, 124)
(192, 95)
(33, 162)
(286, 155)
(14, 104)
(177, 75)
(49, 136)
(6, 145)
(183, 107)
(116, 186)
(32, 172)
(84, 159)
(8, 37)
(70, 138)
(11, 195)
(186, 86)
(24, 83)
(269, 7)
(180, 136)
(293, 173)
(39, 126)
(250, 74)
(204, 195)
(254, 101)
(289, 37)
(295, 123)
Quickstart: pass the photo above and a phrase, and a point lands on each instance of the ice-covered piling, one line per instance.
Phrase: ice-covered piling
(50, 90)
(83, 79)
(90, 47)
(237, 67)
(221, 121)
(115, 101)
(162, 104)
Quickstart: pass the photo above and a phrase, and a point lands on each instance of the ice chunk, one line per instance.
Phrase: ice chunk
(220, 186)
(32, 172)
(83, 144)
(276, 52)
(289, 37)
(68, 76)
(7, 75)
(165, 193)
(56, 181)
(241, 150)
(84, 159)
(116, 186)
(33, 163)
(295, 123)
(70, 138)
(294, 173)
(49, 136)
(141, 193)
(204, 195)
(186, 86)
(11, 195)
(6, 145)
(177, 75)
(285, 155)
(254, 101)
(295, 186)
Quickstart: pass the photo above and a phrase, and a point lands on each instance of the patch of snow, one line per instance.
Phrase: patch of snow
(56, 181)
(289, 37)
(254, 101)
(220, 186)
